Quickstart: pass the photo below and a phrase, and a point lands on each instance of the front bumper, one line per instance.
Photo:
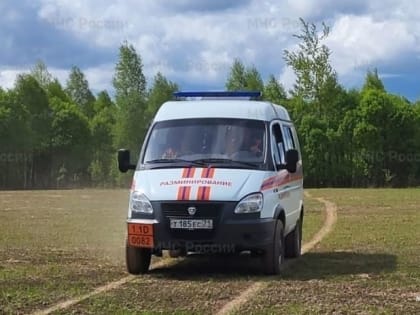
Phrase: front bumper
(231, 232)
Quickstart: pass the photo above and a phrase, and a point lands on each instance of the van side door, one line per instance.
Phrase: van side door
(295, 180)
(278, 195)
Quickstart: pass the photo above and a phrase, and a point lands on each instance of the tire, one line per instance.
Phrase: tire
(294, 241)
(137, 259)
(273, 258)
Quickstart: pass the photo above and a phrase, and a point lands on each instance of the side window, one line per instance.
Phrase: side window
(277, 144)
(288, 138)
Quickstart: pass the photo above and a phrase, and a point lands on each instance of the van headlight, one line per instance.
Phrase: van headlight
(250, 204)
(139, 203)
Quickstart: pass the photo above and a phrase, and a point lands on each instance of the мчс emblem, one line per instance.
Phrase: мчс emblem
(192, 210)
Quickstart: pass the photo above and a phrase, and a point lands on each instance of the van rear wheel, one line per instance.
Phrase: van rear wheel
(137, 259)
(294, 241)
(273, 258)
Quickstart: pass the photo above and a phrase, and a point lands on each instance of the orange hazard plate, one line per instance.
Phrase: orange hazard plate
(140, 235)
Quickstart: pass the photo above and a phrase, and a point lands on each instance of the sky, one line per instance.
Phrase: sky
(194, 43)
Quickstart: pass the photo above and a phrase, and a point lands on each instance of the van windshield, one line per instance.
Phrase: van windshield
(225, 142)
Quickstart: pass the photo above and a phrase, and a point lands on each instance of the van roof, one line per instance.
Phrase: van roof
(257, 110)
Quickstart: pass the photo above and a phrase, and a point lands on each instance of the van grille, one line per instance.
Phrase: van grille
(205, 210)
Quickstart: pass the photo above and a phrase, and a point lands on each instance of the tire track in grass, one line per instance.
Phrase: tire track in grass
(104, 288)
(256, 287)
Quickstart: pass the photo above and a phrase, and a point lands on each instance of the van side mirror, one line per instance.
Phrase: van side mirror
(124, 161)
(292, 157)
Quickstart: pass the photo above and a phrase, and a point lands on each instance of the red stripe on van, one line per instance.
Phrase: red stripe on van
(207, 193)
(187, 192)
(208, 172)
(188, 172)
(184, 193)
(203, 193)
(283, 177)
(211, 172)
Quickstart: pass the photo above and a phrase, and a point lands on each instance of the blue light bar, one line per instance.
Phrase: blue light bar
(250, 95)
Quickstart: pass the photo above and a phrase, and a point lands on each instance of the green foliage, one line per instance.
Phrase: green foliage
(42, 131)
(236, 80)
(274, 91)
(349, 138)
(16, 143)
(78, 90)
(41, 74)
(160, 92)
(70, 142)
(33, 100)
(310, 62)
(69, 125)
(129, 80)
(244, 79)
(54, 89)
(253, 80)
(373, 82)
(103, 101)
(101, 128)
(130, 93)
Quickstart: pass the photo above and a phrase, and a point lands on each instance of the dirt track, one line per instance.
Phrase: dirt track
(99, 290)
(330, 219)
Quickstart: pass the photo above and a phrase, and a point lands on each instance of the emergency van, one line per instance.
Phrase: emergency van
(219, 172)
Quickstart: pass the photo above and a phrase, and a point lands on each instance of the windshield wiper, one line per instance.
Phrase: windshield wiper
(226, 161)
(175, 161)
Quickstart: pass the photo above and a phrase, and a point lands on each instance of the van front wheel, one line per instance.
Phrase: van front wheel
(273, 258)
(137, 259)
(294, 241)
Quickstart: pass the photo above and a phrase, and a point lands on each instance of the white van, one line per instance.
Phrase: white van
(219, 172)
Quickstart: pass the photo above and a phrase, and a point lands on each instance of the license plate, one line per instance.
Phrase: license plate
(140, 235)
(189, 224)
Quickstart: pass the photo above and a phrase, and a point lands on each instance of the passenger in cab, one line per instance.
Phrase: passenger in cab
(173, 145)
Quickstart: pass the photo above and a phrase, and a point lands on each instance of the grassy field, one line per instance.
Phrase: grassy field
(58, 244)
(369, 264)
(55, 245)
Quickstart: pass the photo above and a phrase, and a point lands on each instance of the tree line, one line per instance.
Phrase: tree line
(55, 136)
